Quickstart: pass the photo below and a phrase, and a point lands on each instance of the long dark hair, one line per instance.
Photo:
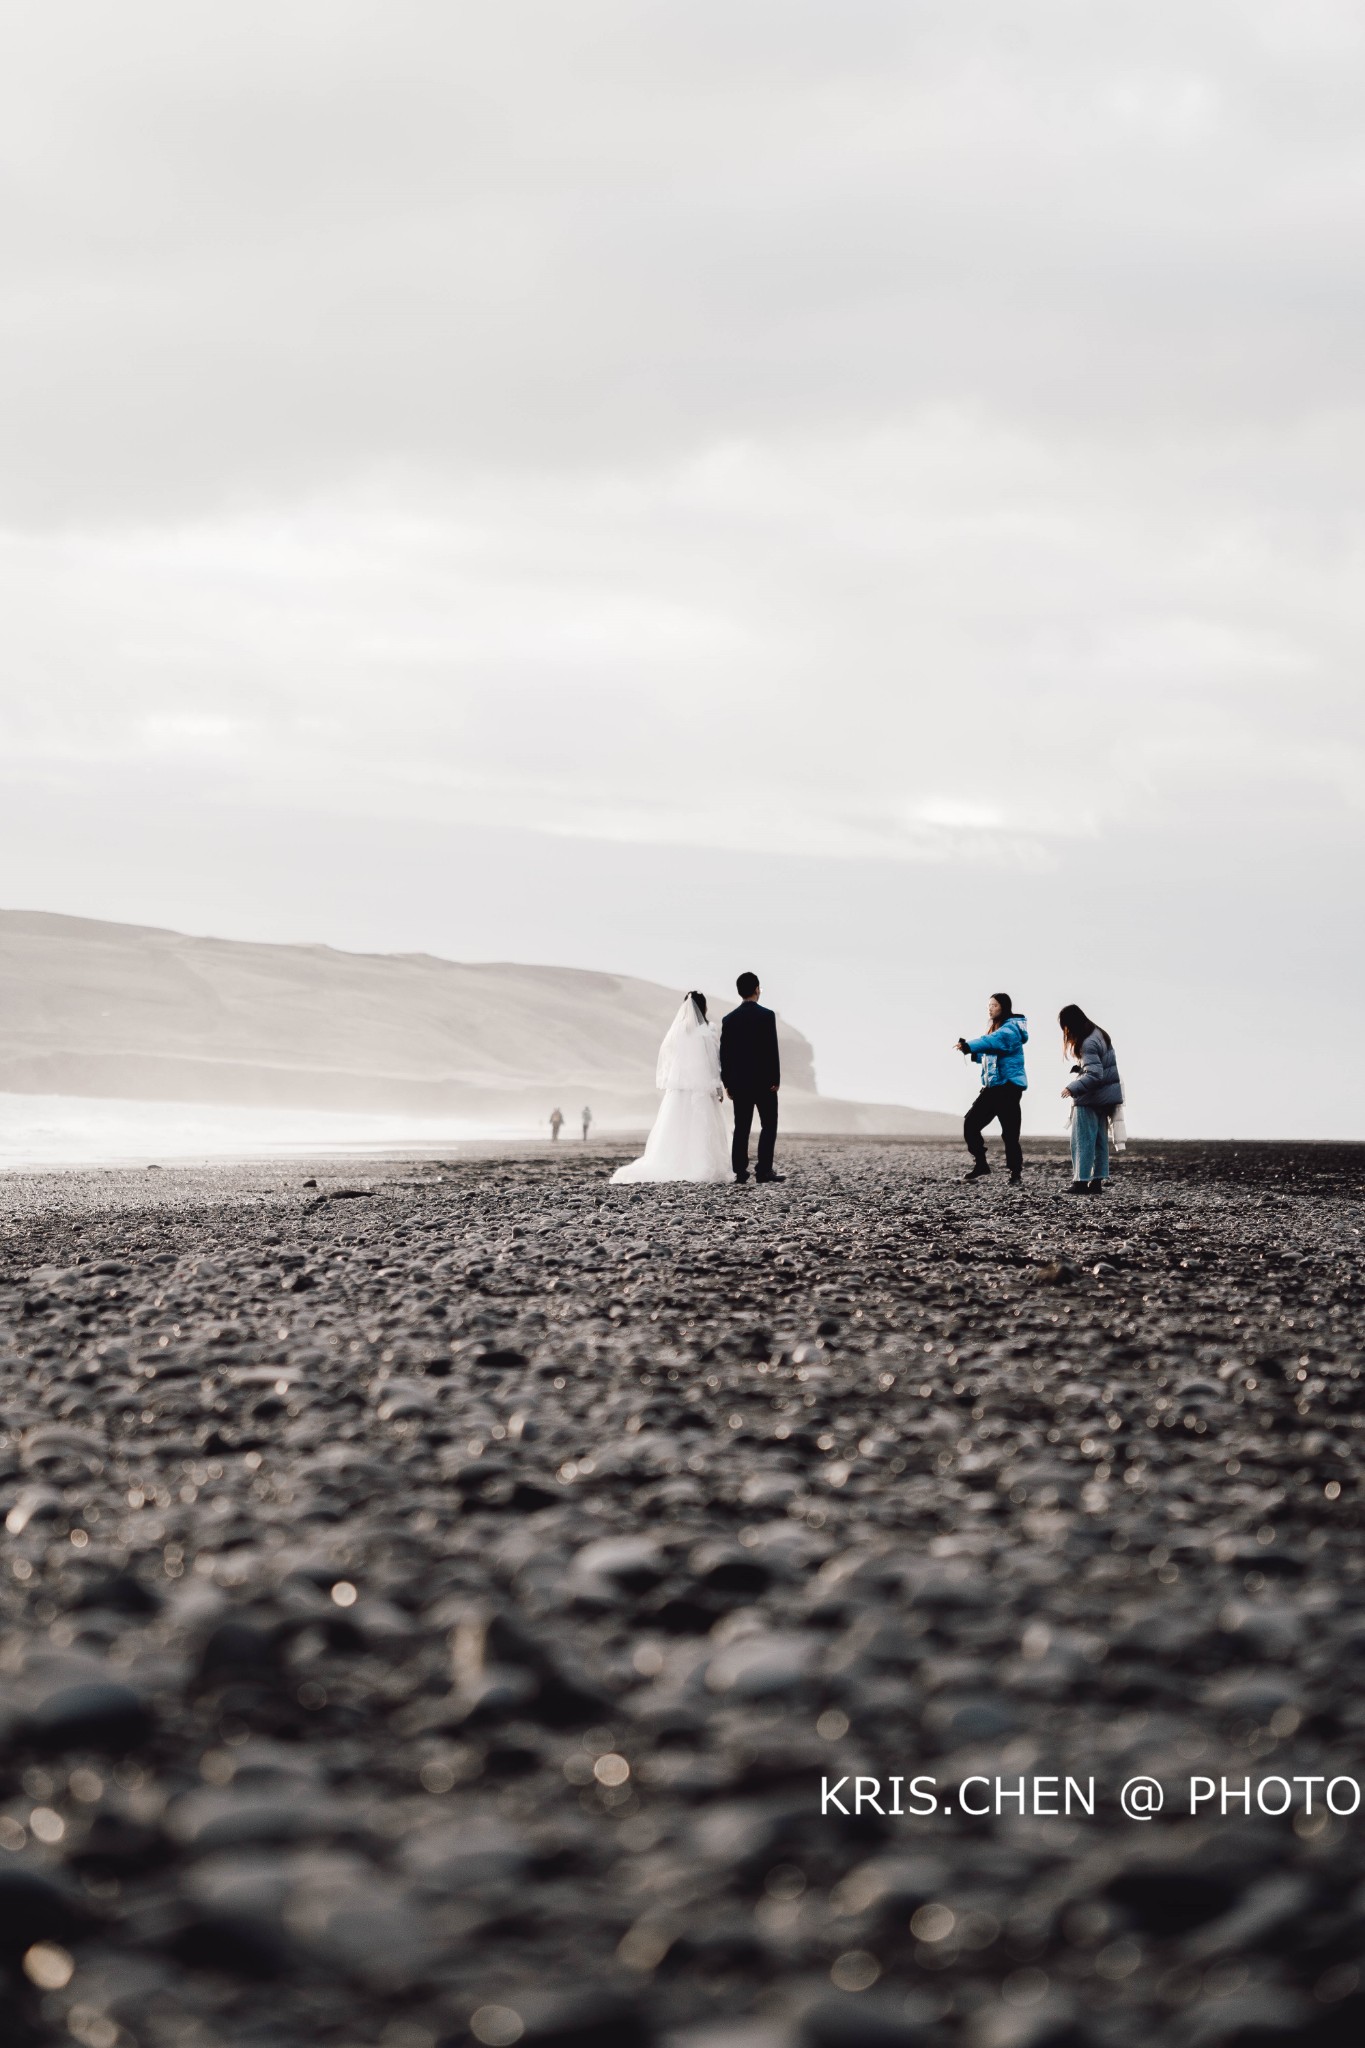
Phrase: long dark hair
(1077, 1027)
(1006, 1006)
(698, 1002)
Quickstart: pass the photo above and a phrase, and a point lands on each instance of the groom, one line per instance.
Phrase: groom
(752, 1075)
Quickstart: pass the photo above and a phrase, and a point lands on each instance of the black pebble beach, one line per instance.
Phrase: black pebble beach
(432, 1596)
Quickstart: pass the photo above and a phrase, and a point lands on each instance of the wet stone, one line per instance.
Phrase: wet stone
(587, 2017)
(237, 1944)
(98, 1714)
(867, 2021)
(465, 1855)
(36, 1907)
(32, 1504)
(757, 1667)
(254, 1816)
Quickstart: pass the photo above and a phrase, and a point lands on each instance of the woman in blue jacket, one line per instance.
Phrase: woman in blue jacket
(1000, 1056)
(1096, 1093)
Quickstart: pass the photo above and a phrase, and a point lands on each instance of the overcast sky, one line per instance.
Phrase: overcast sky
(866, 489)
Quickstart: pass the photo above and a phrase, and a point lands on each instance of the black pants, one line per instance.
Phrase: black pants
(745, 1105)
(1005, 1101)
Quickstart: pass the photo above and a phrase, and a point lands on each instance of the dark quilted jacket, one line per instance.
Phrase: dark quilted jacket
(1097, 1086)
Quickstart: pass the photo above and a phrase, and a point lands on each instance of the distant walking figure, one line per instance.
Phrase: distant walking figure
(752, 1073)
(688, 1138)
(1000, 1055)
(587, 1124)
(556, 1119)
(1095, 1094)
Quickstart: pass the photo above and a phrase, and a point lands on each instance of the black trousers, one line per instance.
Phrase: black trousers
(745, 1105)
(1005, 1101)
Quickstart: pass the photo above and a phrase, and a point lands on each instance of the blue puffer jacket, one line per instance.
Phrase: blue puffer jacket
(1001, 1053)
(1097, 1086)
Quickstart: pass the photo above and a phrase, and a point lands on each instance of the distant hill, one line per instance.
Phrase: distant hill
(89, 1008)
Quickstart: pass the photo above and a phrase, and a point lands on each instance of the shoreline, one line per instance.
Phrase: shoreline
(624, 1143)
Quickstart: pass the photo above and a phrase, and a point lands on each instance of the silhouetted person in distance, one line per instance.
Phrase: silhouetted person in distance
(751, 1074)
(587, 1124)
(999, 1053)
(556, 1119)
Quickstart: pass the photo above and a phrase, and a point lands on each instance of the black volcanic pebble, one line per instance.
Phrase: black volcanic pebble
(35, 1908)
(428, 1617)
(120, 1593)
(868, 2021)
(238, 1649)
(590, 2017)
(236, 1943)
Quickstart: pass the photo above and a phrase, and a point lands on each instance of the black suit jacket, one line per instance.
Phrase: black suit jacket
(749, 1064)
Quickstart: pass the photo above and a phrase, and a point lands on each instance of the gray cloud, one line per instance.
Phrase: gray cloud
(259, 247)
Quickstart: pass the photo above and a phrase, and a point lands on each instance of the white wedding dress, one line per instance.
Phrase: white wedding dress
(689, 1140)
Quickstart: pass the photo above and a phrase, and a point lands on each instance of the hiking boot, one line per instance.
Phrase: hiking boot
(978, 1172)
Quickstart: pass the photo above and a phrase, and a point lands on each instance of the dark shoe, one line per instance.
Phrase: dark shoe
(1078, 1187)
(770, 1179)
(977, 1173)
(741, 1180)
(1016, 1180)
(1096, 1187)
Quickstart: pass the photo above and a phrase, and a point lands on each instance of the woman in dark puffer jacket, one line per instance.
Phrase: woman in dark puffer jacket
(1096, 1093)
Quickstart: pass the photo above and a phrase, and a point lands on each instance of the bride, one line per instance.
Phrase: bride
(688, 1141)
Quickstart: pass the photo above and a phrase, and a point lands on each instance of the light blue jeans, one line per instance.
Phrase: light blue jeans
(1089, 1144)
